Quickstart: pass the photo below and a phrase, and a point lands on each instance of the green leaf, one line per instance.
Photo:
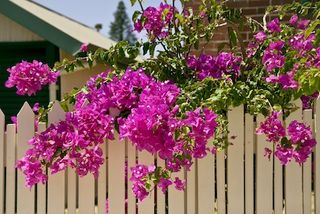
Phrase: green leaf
(135, 15)
(152, 48)
(312, 28)
(232, 37)
(133, 2)
(145, 48)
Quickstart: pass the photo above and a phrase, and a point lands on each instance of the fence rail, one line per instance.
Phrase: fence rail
(239, 180)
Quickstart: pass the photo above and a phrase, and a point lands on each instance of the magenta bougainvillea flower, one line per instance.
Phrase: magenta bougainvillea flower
(84, 47)
(156, 20)
(297, 144)
(215, 66)
(30, 77)
(274, 25)
(272, 127)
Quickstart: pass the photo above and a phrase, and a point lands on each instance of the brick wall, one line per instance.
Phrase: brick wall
(252, 8)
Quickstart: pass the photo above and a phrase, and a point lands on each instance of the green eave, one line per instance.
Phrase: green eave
(40, 27)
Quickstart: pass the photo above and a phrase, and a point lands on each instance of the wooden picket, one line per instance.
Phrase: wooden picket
(25, 131)
(249, 165)
(263, 175)
(307, 171)
(176, 203)
(102, 184)
(239, 180)
(206, 188)
(161, 198)
(2, 159)
(317, 158)
(71, 191)
(235, 167)
(10, 169)
(221, 183)
(293, 175)
(116, 176)
(56, 182)
(132, 158)
(41, 188)
(86, 194)
(191, 190)
(147, 206)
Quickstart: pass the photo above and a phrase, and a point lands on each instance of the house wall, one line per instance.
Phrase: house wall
(13, 32)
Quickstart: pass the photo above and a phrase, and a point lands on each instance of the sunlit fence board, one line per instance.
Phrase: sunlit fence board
(161, 198)
(235, 167)
(10, 168)
(116, 179)
(2, 159)
(86, 194)
(25, 196)
(71, 191)
(264, 177)
(176, 197)
(221, 183)
(293, 175)
(307, 172)
(206, 189)
(317, 158)
(191, 190)
(56, 182)
(278, 183)
(131, 163)
(147, 206)
(102, 183)
(249, 176)
(41, 188)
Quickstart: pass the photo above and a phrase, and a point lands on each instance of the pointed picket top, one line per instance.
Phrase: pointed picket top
(56, 182)
(25, 128)
(25, 131)
(1, 117)
(56, 114)
(2, 124)
(25, 113)
(2, 154)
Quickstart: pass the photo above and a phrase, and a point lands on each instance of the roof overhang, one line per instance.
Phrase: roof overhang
(65, 33)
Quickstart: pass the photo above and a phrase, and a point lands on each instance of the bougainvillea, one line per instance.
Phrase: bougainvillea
(152, 126)
(297, 144)
(156, 20)
(215, 66)
(30, 77)
(174, 103)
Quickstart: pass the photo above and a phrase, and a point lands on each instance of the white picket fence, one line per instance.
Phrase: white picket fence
(237, 181)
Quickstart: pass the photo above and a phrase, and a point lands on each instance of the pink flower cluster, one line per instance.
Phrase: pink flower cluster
(273, 57)
(143, 109)
(139, 176)
(275, 51)
(156, 20)
(71, 143)
(298, 145)
(30, 77)
(215, 66)
(299, 23)
(308, 100)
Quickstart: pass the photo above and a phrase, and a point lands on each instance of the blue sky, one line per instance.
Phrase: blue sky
(91, 12)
